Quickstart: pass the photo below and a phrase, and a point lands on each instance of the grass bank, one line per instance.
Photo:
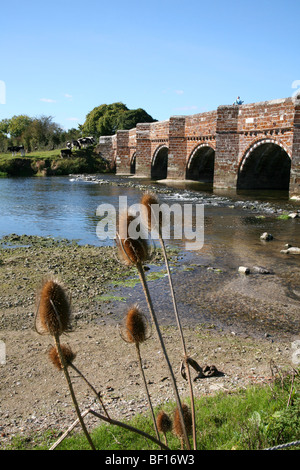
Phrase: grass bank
(49, 163)
(252, 419)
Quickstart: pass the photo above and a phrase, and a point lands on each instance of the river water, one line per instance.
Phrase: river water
(65, 207)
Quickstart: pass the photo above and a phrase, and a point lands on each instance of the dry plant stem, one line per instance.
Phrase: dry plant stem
(146, 388)
(65, 368)
(91, 387)
(182, 338)
(150, 306)
(68, 431)
(130, 428)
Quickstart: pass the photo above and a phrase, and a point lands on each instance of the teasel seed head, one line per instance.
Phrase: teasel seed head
(54, 310)
(187, 418)
(131, 251)
(148, 215)
(68, 355)
(135, 327)
(163, 422)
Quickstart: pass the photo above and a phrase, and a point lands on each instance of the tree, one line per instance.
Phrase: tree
(107, 119)
(4, 126)
(18, 125)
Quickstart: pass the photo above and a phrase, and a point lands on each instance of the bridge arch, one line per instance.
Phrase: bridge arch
(159, 164)
(265, 165)
(200, 165)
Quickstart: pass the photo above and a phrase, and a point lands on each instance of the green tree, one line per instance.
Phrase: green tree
(107, 119)
(4, 126)
(129, 119)
(18, 125)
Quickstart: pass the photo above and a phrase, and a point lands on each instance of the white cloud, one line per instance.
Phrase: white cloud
(179, 92)
(66, 95)
(47, 100)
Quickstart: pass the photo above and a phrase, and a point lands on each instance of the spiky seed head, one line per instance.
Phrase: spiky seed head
(135, 326)
(68, 355)
(147, 212)
(164, 422)
(131, 251)
(187, 418)
(54, 312)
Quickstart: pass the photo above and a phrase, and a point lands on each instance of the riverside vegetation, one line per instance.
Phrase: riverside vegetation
(251, 418)
(49, 163)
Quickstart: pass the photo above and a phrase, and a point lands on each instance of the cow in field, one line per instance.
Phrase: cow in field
(86, 141)
(65, 153)
(17, 148)
(76, 144)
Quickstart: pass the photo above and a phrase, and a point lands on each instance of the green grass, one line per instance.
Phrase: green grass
(48, 163)
(251, 419)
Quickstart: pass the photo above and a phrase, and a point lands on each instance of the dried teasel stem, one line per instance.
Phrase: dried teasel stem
(130, 428)
(69, 357)
(147, 201)
(135, 253)
(154, 319)
(97, 394)
(136, 332)
(146, 389)
(69, 382)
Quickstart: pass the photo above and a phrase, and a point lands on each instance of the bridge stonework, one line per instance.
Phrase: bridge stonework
(231, 147)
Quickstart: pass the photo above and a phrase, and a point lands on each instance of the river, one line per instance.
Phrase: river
(65, 207)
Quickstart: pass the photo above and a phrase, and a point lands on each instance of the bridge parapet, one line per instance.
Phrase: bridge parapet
(222, 139)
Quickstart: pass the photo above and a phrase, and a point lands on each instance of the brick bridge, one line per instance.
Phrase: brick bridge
(252, 146)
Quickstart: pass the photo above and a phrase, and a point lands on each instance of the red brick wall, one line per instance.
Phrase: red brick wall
(227, 147)
(231, 131)
(266, 120)
(295, 169)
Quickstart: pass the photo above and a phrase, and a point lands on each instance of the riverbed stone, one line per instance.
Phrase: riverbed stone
(266, 236)
(260, 270)
(244, 270)
(293, 250)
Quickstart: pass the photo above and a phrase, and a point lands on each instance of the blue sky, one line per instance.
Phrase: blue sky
(63, 58)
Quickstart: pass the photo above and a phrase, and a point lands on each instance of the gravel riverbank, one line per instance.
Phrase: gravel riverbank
(34, 396)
